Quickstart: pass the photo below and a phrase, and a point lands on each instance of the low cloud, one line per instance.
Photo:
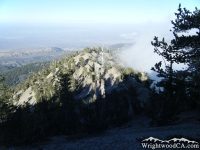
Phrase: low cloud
(129, 35)
(140, 56)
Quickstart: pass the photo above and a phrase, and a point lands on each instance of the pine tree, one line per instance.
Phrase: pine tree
(189, 47)
(5, 103)
(182, 49)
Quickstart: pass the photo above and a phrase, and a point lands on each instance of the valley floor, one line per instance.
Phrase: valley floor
(127, 137)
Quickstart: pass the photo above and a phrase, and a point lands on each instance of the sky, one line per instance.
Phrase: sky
(101, 11)
(27, 24)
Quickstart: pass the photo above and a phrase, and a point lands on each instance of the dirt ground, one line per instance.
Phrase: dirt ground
(127, 137)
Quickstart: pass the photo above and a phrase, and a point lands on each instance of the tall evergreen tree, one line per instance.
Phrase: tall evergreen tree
(189, 47)
(177, 85)
(4, 101)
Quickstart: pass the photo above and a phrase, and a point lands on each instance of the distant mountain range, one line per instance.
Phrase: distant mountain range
(13, 59)
(30, 52)
(17, 58)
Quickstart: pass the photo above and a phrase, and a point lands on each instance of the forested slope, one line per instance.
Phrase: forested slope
(18, 75)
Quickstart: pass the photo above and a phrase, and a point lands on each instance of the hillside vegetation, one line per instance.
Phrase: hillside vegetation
(91, 91)
(18, 75)
(18, 58)
(78, 94)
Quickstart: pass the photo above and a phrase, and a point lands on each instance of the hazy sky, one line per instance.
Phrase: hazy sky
(26, 24)
(79, 23)
(115, 11)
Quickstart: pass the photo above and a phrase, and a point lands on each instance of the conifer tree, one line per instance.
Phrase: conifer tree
(4, 101)
(182, 49)
(189, 47)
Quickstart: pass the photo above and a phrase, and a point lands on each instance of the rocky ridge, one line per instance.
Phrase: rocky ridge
(87, 78)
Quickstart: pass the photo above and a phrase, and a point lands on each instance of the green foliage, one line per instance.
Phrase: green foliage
(126, 73)
(117, 106)
(118, 67)
(6, 107)
(90, 50)
(5, 94)
(4, 68)
(56, 112)
(49, 117)
(111, 111)
(162, 111)
(107, 66)
(177, 86)
(18, 75)
(139, 76)
(73, 84)
(87, 50)
(129, 71)
(190, 46)
(82, 61)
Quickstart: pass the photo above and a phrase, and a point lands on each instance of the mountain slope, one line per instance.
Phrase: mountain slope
(90, 77)
(78, 94)
(18, 75)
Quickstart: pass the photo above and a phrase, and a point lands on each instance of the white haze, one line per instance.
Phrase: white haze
(79, 35)
(26, 36)
(140, 55)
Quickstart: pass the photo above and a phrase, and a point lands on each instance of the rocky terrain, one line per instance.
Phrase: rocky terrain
(91, 76)
(94, 87)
